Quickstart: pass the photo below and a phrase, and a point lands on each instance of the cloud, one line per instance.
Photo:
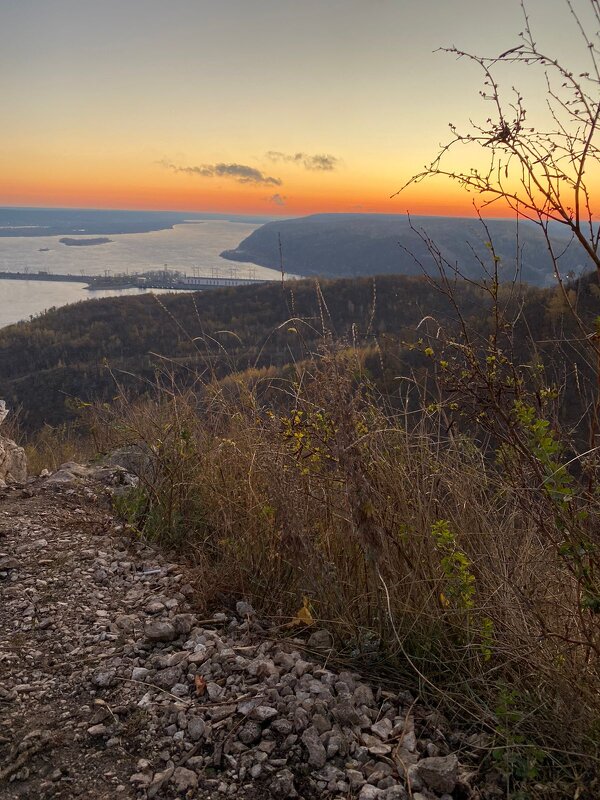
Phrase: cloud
(278, 199)
(320, 162)
(239, 172)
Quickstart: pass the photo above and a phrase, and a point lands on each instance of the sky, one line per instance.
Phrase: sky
(251, 106)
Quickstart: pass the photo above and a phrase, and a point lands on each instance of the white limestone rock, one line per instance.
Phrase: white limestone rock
(13, 462)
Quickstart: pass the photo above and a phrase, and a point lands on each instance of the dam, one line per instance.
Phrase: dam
(157, 279)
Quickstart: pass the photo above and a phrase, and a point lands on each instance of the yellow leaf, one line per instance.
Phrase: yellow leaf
(444, 602)
(303, 615)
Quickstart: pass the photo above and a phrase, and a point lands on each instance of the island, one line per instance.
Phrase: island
(84, 242)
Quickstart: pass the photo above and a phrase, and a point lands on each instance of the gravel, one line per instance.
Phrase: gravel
(126, 688)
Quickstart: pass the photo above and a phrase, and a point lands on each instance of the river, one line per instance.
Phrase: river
(189, 246)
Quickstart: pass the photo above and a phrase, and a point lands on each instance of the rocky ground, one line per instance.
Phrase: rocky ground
(111, 685)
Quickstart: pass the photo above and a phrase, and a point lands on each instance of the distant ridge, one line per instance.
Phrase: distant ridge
(80, 221)
(350, 245)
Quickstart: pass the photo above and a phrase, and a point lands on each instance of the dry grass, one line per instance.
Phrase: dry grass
(52, 446)
(422, 553)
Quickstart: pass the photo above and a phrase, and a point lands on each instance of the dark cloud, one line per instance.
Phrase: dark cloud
(319, 162)
(278, 199)
(239, 172)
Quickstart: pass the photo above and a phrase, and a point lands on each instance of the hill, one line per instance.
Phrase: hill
(63, 354)
(340, 245)
(78, 351)
(77, 221)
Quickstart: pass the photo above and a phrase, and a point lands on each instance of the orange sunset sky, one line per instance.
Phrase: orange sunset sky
(257, 106)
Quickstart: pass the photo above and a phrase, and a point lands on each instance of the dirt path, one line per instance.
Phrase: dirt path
(67, 580)
(111, 687)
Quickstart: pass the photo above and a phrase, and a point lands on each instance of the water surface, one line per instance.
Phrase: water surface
(193, 248)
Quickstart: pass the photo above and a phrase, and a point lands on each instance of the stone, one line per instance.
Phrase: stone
(301, 719)
(321, 723)
(383, 728)
(282, 726)
(250, 732)
(133, 458)
(141, 779)
(184, 623)
(321, 640)
(126, 622)
(166, 678)
(336, 744)
(139, 673)
(199, 655)
(363, 695)
(159, 630)
(382, 770)
(317, 755)
(245, 706)
(396, 792)
(439, 773)
(97, 730)
(262, 668)
(374, 745)
(196, 728)
(104, 679)
(69, 472)
(213, 690)
(355, 778)
(369, 792)
(244, 609)
(282, 785)
(177, 658)
(184, 779)
(302, 667)
(160, 779)
(285, 660)
(263, 713)
(346, 714)
(13, 461)
(154, 606)
(221, 711)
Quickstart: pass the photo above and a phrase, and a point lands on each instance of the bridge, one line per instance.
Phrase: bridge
(161, 279)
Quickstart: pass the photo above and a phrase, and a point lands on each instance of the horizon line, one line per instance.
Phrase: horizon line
(257, 214)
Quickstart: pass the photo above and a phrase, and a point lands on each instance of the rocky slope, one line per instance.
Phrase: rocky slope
(112, 685)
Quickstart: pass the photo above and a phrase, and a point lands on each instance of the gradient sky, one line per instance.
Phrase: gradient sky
(263, 106)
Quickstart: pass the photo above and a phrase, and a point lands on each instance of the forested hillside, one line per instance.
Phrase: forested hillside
(77, 352)
(337, 245)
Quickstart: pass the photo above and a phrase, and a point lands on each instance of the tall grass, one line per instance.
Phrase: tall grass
(459, 566)
(50, 446)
